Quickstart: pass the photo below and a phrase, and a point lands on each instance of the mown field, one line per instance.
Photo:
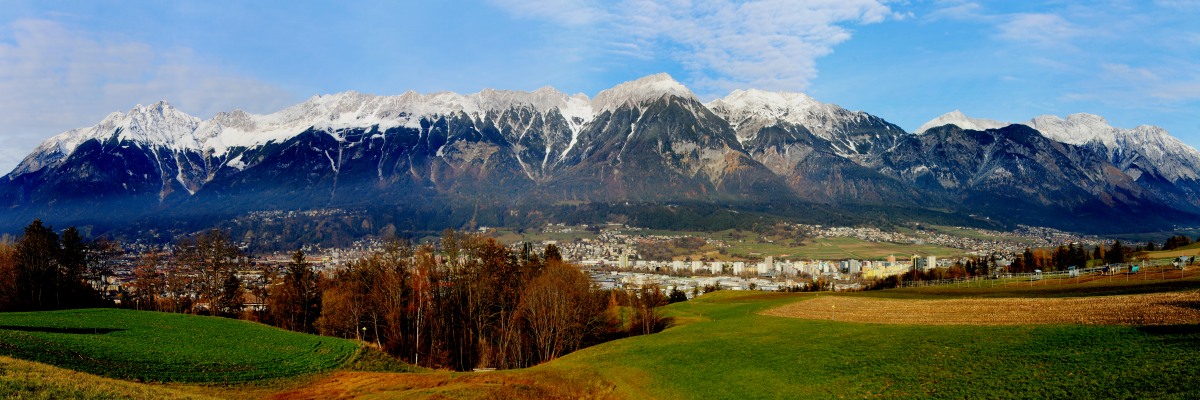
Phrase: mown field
(1185, 251)
(1179, 308)
(722, 346)
(162, 347)
(1150, 280)
(730, 351)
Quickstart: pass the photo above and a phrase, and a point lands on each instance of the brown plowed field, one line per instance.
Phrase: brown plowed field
(1141, 309)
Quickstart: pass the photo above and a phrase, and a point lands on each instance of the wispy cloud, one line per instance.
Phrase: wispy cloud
(1043, 30)
(955, 10)
(771, 44)
(569, 12)
(52, 77)
(1161, 86)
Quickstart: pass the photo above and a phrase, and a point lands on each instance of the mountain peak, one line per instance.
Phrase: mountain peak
(763, 107)
(957, 118)
(158, 106)
(640, 91)
(754, 98)
(1076, 129)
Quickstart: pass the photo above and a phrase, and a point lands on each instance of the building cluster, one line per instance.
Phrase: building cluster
(689, 285)
(272, 215)
(615, 241)
(611, 255)
(777, 272)
(1013, 242)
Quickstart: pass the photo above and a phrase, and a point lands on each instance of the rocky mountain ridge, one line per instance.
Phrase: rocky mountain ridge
(647, 141)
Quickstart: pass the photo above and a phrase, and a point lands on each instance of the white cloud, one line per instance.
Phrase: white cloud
(1169, 85)
(570, 12)
(1187, 5)
(53, 79)
(956, 10)
(1045, 30)
(769, 44)
(1042, 30)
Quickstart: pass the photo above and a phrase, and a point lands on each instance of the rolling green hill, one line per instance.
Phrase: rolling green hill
(162, 347)
(719, 347)
(724, 349)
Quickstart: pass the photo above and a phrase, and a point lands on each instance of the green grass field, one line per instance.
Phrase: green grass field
(20, 379)
(1151, 280)
(1185, 251)
(725, 350)
(720, 347)
(162, 347)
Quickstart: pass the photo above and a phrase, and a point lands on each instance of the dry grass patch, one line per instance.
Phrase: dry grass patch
(20, 379)
(1141, 309)
(517, 384)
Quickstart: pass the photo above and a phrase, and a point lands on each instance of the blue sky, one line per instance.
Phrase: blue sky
(67, 64)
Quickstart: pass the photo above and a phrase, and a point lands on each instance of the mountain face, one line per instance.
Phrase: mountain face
(1016, 171)
(1149, 155)
(818, 148)
(649, 141)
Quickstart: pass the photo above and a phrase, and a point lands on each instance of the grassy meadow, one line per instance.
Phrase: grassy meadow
(724, 349)
(20, 379)
(162, 347)
(1185, 251)
(719, 347)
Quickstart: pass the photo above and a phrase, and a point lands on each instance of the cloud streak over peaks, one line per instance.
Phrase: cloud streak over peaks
(723, 45)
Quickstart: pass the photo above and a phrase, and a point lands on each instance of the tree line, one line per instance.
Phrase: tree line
(43, 270)
(1057, 259)
(474, 303)
(466, 302)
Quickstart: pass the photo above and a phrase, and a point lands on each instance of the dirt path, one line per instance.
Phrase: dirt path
(1142, 309)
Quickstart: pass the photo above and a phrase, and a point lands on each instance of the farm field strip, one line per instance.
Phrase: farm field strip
(1143, 309)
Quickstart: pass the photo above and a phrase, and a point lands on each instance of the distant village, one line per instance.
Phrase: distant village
(611, 257)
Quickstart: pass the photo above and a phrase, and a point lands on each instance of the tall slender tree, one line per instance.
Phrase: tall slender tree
(296, 302)
(210, 259)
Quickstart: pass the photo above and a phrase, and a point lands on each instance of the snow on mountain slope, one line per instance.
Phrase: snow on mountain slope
(159, 124)
(957, 118)
(766, 108)
(849, 133)
(1173, 159)
(162, 124)
(348, 110)
(1076, 129)
(1171, 156)
(640, 91)
(756, 109)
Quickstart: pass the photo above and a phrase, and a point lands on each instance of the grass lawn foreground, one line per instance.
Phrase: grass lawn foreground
(163, 347)
(720, 347)
(724, 349)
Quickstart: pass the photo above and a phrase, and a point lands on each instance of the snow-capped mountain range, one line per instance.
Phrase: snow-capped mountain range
(648, 141)
(1132, 150)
